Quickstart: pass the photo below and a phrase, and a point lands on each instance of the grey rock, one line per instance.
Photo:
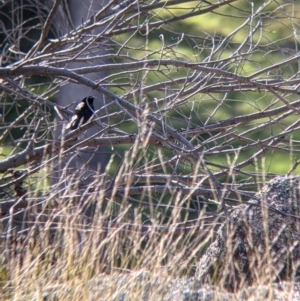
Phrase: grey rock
(259, 243)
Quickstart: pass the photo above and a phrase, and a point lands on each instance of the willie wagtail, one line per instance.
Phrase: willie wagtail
(83, 112)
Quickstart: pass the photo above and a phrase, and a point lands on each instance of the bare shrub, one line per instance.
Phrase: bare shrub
(195, 120)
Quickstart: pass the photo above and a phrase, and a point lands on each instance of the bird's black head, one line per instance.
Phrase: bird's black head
(89, 99)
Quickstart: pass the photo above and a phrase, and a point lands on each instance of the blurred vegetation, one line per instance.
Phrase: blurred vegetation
(275, 42)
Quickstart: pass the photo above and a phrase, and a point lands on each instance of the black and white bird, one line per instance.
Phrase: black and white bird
(83, 112)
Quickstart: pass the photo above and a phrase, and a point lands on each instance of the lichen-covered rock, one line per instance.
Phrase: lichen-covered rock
(259, 243)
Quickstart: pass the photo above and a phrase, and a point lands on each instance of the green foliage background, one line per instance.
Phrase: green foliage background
(276, 41)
